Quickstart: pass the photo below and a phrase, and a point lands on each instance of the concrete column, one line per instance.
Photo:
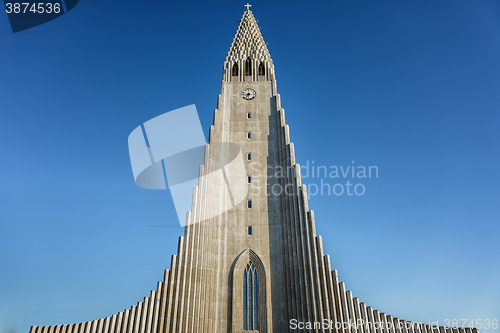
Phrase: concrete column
(126, 314)
(189, 285)
(410, 327)
(376, 321)
(364, 316)
(417, 328)
(154, 322)
(95, 323)
(345, 311)
(138, 315)
(295, 251)
(322, 281)
(106, 325)
(168, 290)
(315, 270)
(331, 293)
(403, 328)
(287, 233)
(383, 322)
(144, 315)
(423, 328)
(357, 314)
(88, 327)
(119, 320)
(100, 325)
(131, 317)
(390, 324)
(395, 322)
(82, 327)
(112, 324)
(350, 309)
(149, 318)
(164, 298)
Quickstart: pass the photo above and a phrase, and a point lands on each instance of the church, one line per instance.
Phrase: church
(259, 266)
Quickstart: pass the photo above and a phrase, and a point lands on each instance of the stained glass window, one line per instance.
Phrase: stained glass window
(250, 298)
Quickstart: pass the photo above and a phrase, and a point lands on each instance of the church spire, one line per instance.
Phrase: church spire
(248, 57)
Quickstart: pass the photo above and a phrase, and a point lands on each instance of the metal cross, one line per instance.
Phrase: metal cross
(248, 6)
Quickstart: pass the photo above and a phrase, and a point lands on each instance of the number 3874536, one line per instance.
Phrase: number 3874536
(35, 8)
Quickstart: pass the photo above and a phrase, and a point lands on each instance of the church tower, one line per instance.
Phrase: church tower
(259, 266)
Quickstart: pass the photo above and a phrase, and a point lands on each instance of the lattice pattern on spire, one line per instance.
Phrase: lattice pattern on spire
(248, 41)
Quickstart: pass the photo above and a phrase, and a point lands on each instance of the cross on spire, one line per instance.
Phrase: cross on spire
(248, 6)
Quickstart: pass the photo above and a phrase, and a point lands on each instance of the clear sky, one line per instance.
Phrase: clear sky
(412, 87)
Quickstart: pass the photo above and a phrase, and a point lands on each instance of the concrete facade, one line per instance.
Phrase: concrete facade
(203, 291)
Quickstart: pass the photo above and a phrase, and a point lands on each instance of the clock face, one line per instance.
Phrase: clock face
(248, 94)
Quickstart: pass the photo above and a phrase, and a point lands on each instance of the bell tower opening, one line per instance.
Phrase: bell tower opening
(262, 70)
(234, 71)
(248, 66)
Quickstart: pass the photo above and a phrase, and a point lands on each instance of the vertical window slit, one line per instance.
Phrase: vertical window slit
(248, 66)
(262, 70)
(235, 69)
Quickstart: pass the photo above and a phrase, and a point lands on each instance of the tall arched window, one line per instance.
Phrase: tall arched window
(235, 69)
(250, 298)
(248, 66)
(262, 70)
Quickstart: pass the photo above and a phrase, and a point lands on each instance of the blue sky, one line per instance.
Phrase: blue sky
(411, 87)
